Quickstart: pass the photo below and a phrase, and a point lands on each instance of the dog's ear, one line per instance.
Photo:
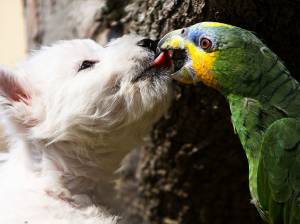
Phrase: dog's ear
(15, 98)
(11, 88)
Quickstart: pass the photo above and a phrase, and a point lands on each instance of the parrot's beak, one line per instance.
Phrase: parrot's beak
(174, 44)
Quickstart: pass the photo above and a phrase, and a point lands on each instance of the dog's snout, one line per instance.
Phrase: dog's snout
(148, 43)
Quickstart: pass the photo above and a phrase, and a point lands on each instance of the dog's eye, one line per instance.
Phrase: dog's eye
(86, 64)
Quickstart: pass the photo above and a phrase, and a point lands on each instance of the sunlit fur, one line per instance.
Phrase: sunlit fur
(70, 130)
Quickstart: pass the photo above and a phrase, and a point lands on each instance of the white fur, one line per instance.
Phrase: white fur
(70, 131)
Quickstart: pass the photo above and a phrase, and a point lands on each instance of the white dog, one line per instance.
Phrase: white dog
(72, 112)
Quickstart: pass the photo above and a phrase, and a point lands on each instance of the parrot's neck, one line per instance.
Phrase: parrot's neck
(278, 88)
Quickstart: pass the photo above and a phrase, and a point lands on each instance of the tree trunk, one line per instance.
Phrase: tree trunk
(193, 170)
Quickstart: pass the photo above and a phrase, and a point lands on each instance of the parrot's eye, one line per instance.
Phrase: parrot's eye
(183, 31)
(205, 43)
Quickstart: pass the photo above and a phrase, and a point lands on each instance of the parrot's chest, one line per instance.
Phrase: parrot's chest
(247, 119)
(251, 119)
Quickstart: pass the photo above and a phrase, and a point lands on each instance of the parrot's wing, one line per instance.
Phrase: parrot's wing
(279, 171)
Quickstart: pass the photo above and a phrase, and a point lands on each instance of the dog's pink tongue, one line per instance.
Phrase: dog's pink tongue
(162, 60)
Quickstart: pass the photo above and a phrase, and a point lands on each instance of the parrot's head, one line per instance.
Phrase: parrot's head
(222, 56)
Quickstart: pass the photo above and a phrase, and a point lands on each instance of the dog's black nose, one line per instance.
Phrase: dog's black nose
(147, 43)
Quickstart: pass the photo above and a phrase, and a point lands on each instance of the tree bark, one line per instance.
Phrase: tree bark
(193, 170)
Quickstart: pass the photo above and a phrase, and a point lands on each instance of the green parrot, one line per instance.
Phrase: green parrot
(264, 101)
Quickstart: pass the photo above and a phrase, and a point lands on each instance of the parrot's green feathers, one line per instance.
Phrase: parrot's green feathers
(265, 104)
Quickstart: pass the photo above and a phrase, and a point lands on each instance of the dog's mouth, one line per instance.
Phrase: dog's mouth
(160, 65)
(170, 61)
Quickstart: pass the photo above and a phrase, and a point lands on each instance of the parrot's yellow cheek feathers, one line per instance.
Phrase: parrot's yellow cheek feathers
(202, 63)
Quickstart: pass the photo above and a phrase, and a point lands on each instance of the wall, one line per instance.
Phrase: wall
(12, 32)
